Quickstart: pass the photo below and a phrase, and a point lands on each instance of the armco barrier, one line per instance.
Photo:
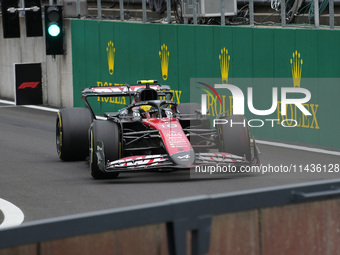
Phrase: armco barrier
(294, 219)
(107, 53)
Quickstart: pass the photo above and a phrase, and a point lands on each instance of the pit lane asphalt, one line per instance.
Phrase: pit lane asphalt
(42, 186)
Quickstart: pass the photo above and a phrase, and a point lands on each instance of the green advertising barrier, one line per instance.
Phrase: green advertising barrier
(107, 53)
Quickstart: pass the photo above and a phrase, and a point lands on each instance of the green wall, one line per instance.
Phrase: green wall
(192, 51)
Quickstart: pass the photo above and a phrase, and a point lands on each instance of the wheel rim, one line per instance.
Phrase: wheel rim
(91, 147)
(59, 137)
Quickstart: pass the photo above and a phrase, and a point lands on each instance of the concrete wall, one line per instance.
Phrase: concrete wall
(308, 228)
(56, 73)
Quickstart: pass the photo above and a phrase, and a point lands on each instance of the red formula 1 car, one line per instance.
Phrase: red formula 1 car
(150, 133)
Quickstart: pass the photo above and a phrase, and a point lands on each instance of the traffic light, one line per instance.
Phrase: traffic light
(54, 33)
(10, 19)
(33, 18)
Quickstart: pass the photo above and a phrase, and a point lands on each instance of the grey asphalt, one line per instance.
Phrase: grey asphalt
(34, 179)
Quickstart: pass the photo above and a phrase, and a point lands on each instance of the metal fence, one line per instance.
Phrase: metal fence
(180, 215)
(172, 10)
(175, 11)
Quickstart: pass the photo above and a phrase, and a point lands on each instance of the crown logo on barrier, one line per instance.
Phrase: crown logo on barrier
(164, 55)
(224, 65)
(111, 51)
(296, 64)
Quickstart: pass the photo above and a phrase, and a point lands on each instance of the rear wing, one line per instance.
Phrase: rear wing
(120, 91)
(127, 90)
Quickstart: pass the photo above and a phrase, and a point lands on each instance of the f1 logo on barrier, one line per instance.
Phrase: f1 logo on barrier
(28, 84)
(32, 85)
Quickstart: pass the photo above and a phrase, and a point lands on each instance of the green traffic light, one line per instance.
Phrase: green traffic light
(54, 30)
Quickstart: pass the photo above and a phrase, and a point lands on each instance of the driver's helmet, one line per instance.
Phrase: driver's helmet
(148, 111)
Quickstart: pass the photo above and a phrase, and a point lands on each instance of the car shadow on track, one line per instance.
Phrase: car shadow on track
(169, 177)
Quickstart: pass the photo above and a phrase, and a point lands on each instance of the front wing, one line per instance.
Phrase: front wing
(163, 162)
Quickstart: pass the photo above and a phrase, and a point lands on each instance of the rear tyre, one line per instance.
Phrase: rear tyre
(108, 133)
(188, 108)
(72, 126)
(189, 118)
(235, 139)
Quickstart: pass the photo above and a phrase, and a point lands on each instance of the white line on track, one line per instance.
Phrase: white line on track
(298, 147)
(276, 144)
(13, 216)
(29, 106)
(7, 102)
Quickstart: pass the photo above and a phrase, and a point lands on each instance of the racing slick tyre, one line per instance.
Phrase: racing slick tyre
(72, 127)
(235, 139)
(106, 132)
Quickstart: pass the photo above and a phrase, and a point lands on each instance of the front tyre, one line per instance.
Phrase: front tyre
(234, 138)
(72, 126)
(106, 132)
